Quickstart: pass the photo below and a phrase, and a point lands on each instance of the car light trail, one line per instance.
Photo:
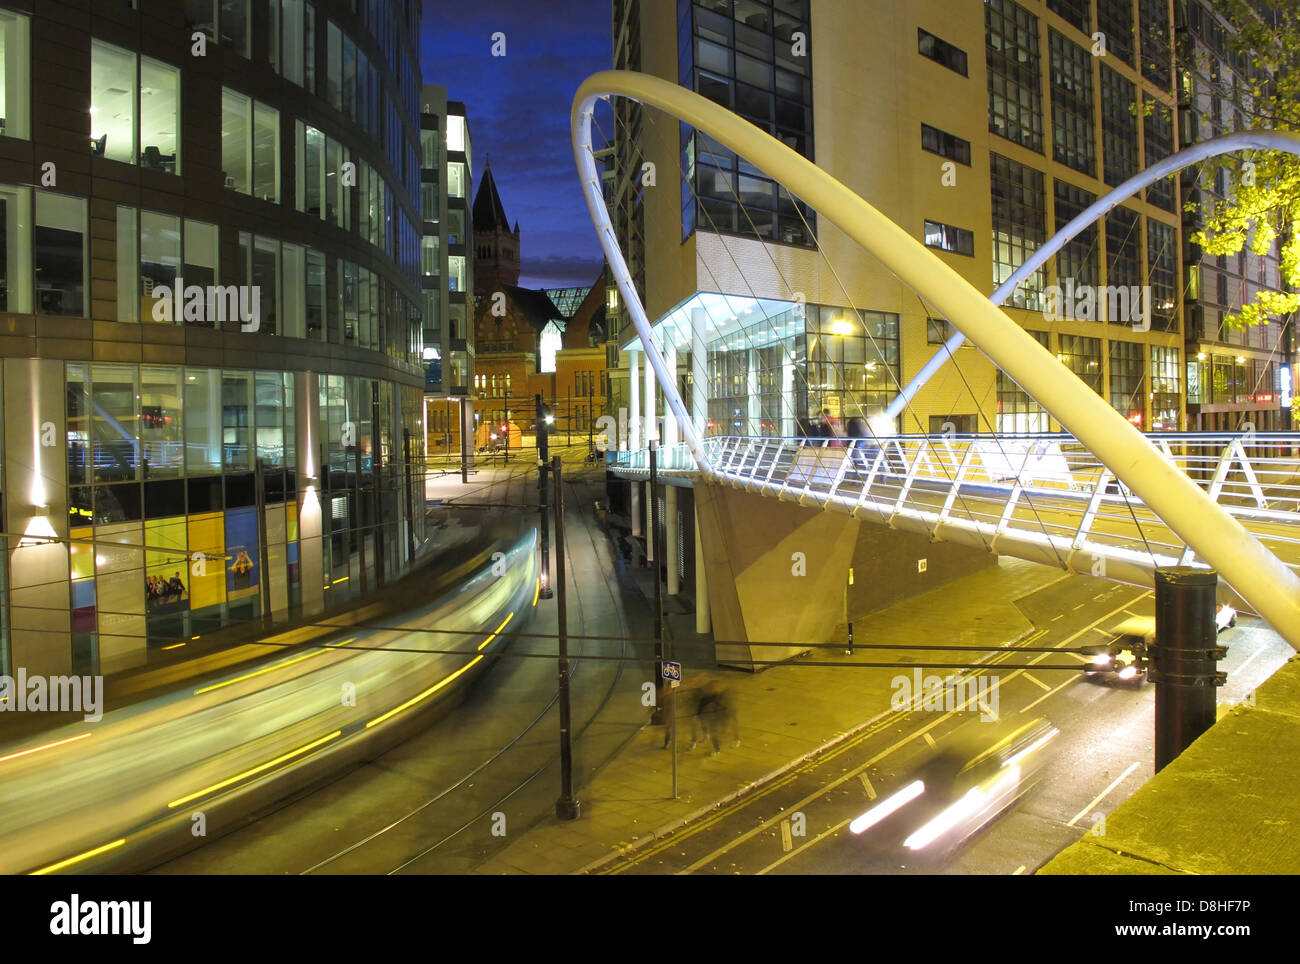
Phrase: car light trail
(255, 770)
(975, 800)
(888, 806)
(270, 669)
(77, 859)
(46, 746)
(483, 645)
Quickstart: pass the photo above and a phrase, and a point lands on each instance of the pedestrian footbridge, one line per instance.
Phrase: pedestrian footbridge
(1043, 498)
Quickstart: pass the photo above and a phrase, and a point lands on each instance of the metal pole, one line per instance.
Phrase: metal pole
(466, 436)
(653, 537)
(567, 807)
(544, 533)
(263, 574)
(568, 419)
(673, 697)
(1184, 658)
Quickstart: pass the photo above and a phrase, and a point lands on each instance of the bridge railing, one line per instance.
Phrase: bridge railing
(1048, 486)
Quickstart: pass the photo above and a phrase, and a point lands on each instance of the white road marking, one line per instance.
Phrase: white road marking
(929, 739)
(1055, 618)
(1018, 871)
(1101, 796)
(786, 841)
(866, 785)
(1048, 694)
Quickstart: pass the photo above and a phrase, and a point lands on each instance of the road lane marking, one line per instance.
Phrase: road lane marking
(1018, 871)
(1055, 618)
(1080, 606)
(866, 785)
(1050, 693)
(996, 682)
(1037, 682)
(929, 739)
(1101, 796)
(786, 841)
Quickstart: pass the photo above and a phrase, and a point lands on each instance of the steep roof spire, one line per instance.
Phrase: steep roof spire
(489, 212)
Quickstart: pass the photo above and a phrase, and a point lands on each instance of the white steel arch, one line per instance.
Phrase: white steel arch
(1241, 141)
(1251, 569)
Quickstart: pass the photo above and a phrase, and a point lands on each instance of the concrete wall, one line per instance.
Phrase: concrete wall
(777, 572)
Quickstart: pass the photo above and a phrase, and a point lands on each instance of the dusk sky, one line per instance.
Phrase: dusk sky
(518, 108)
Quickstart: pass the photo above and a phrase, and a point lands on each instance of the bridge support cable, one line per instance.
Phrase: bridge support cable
(1228, 143)
(1251, 569)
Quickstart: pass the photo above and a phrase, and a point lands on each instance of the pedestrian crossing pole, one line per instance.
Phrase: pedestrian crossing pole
(1185, 658)
(652, 538)
(567, 806)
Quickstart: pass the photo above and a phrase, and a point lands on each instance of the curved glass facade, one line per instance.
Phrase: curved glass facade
(212, 372)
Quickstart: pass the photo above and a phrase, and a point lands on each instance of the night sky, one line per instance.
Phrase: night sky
(518, 107)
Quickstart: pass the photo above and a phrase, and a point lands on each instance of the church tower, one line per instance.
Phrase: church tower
(496, 247)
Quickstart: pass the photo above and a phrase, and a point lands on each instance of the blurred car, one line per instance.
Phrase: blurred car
(1127, 657)
(959, 791)
(1225, 616)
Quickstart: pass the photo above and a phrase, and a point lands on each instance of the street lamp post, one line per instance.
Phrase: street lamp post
(543, 466)
(567, 806)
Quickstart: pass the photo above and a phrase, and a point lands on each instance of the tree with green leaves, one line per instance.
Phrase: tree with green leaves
(1262, 205)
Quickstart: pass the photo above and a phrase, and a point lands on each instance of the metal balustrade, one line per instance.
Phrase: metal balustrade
(1044, 498)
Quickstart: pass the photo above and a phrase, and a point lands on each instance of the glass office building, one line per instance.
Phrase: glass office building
(211, 363)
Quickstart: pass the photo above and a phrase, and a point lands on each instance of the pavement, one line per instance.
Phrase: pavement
(1227, 805)
(787, 714)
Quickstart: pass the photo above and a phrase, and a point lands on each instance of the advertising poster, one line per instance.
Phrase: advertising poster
(242, 571)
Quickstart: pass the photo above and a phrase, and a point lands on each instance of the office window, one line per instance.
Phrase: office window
(291, 27)
(160, 116)
(273, 34)
(315, 295)
(236, 402)
(200, 252)
(1115, 20)
(16, 253)
(1083, 357)
(1071, 80)
(309, 47)
(334, 66)
(1157, 51)
(1019, 222)
(1073, 12)
(115, 393)
(349, 77)
(428, 205)
(350, 299)
(295, 286)
(1158, 138)
(948, 238)
(940, 51)
(1165, 379)
(1017, 411)
(1119, 136)
(1123, 244)
(945, 145)
(455, 133)
(1127, 381)
(456, 179)
(938, 331)
(128, 267)
(59, 254)
(266, 276)
(1162, 274)
(236, 140)
(429, 149)
(1077, 260)
(160, 263)
(747, 64)
(224, 21)
(429, 256)
(266, 153)
(1011, 48)
(113, 94)
(455, 273)
(310, 187)
(162, 436)
(15, 75)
